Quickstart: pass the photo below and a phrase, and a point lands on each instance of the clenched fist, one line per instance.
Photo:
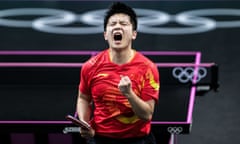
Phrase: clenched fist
(125, 85)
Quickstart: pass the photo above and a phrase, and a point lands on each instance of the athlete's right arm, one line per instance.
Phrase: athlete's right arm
(83, 106)
(84, 113)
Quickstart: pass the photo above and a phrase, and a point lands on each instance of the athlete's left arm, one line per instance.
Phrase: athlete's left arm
(143, 109)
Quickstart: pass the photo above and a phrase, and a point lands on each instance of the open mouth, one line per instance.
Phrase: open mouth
(117, 37)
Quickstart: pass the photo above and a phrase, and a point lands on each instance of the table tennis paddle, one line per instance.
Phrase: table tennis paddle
(78, 122)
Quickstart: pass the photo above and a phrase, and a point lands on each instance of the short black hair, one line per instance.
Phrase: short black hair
(118, 7)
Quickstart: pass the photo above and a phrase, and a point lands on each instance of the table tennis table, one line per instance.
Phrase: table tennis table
(39, 88)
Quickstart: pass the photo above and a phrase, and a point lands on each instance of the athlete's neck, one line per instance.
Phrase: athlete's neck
(121, 56)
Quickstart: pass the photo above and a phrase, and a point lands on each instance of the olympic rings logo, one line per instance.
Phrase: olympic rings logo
(175, 130)
(187, 74)
(150, 21)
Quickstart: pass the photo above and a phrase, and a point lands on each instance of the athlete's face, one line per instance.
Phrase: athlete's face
(119, 32)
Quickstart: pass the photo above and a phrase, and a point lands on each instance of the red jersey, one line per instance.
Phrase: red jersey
(113, 116)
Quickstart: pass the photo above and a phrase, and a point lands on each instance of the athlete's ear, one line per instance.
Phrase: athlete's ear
(105, 35)
(134, 35)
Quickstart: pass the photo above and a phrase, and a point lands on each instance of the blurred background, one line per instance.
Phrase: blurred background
(210, 27)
